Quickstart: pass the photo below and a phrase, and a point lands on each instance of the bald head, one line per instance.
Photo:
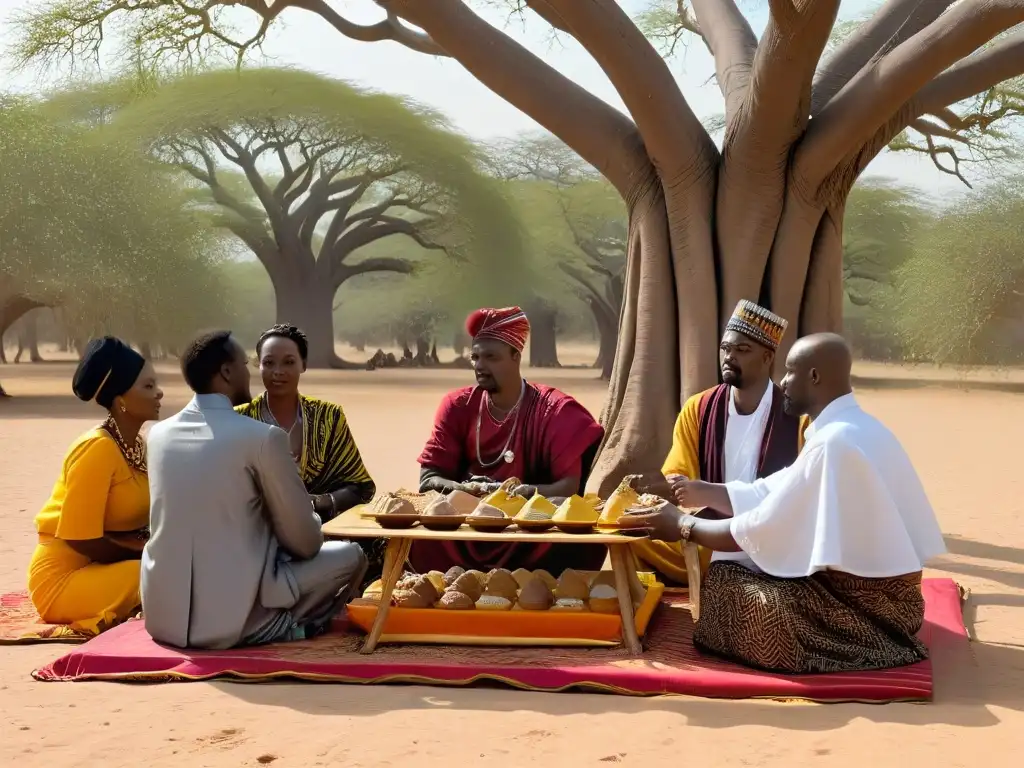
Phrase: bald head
(818, 371)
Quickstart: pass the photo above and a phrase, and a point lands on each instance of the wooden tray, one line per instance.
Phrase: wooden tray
(515, 627)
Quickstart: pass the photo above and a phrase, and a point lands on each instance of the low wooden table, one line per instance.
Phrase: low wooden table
(352, 525)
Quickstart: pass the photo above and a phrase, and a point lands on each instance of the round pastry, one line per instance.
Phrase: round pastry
(373, 592)
(535, 596)
(521, 575)
(437, 579)
(546, 577)
(487, 510)
(408, 598)
(501, 583)
(467, 584)
(568, 604)
(572, 584)
(493, 603)
(452, 574)
(440, 506)
(604, 599)
(456, 601)
(425, 588)
(480, 576)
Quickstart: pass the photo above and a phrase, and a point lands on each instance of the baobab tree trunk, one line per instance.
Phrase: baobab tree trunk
(305, 302)
(607, 321)
(543, 338)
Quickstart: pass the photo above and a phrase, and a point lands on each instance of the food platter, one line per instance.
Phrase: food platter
(515, 627)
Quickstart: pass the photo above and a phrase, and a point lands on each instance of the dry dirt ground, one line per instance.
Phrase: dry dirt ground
(966, 444)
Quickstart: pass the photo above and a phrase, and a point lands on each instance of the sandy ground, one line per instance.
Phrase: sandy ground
(966, 444)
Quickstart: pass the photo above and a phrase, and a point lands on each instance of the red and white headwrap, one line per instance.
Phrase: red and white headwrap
(508, 325)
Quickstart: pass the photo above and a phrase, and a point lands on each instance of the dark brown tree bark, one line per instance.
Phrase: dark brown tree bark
(543, 337)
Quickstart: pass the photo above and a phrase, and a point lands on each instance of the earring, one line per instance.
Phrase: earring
(123, 409)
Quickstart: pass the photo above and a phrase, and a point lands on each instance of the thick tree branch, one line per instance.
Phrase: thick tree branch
(391, 28)
(732, 42)
(893, 23)
(376, 264)
(675, 139)
(602, 135)
(885, 87)
(995, 64)
(371, 231)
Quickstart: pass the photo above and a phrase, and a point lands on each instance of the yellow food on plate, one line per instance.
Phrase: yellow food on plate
(537, 508)
(592, 499)
(493, 603)
(604, 599)
(575, 510)
(622, 498)
(535, 596)
(374, 591)
(437, 579)
(503, 498)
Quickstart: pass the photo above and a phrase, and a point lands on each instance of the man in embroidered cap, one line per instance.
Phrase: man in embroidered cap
(501, 428)
(737, 431)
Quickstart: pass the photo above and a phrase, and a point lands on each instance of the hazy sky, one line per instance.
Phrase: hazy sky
(303, 40)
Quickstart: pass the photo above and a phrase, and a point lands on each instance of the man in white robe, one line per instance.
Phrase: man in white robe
(836, 542)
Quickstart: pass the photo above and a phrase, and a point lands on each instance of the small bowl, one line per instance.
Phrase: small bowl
(576, 527)
(489, 524)
(442, 522)
(397, 520)
(535, 526)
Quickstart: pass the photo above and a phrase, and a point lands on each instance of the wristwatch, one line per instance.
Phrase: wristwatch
(686, 527)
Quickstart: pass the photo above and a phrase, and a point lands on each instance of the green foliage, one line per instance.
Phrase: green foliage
(92, 225)
(962, 293)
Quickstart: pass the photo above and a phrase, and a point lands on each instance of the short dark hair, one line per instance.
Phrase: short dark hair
(285, 331)
(203, 358)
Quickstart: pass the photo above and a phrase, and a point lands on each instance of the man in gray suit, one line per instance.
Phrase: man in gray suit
(236, 555)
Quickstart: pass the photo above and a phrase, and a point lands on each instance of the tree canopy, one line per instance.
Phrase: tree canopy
(306, 172)
(84, 219)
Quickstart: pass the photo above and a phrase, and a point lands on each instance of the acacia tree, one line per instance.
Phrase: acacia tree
(86, 224)
(760, 218)
(306, 172)
(579, 222)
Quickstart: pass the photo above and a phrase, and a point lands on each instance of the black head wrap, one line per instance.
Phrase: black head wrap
(108, 368)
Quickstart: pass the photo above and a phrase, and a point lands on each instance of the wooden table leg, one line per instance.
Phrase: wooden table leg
(620, 566)
(394, 562)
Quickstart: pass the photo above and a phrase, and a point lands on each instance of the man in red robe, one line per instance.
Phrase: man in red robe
(507, 427)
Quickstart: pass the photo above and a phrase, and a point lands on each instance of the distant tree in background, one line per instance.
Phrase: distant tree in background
(578, 225)
(307, 171)
(93, 227)
(962, 292)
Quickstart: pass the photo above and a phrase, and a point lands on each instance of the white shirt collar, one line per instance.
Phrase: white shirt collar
(832, 412)
(764, 402)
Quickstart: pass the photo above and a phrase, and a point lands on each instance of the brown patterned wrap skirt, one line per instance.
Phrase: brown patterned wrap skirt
(828, 622)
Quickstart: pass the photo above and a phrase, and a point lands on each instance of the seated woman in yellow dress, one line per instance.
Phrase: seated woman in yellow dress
(85, 569)
(318, 433)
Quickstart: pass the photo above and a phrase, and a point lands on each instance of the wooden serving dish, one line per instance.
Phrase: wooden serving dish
(489, 524)
(576, 527)
(442, 522)
(535, 526)
(396, 520)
